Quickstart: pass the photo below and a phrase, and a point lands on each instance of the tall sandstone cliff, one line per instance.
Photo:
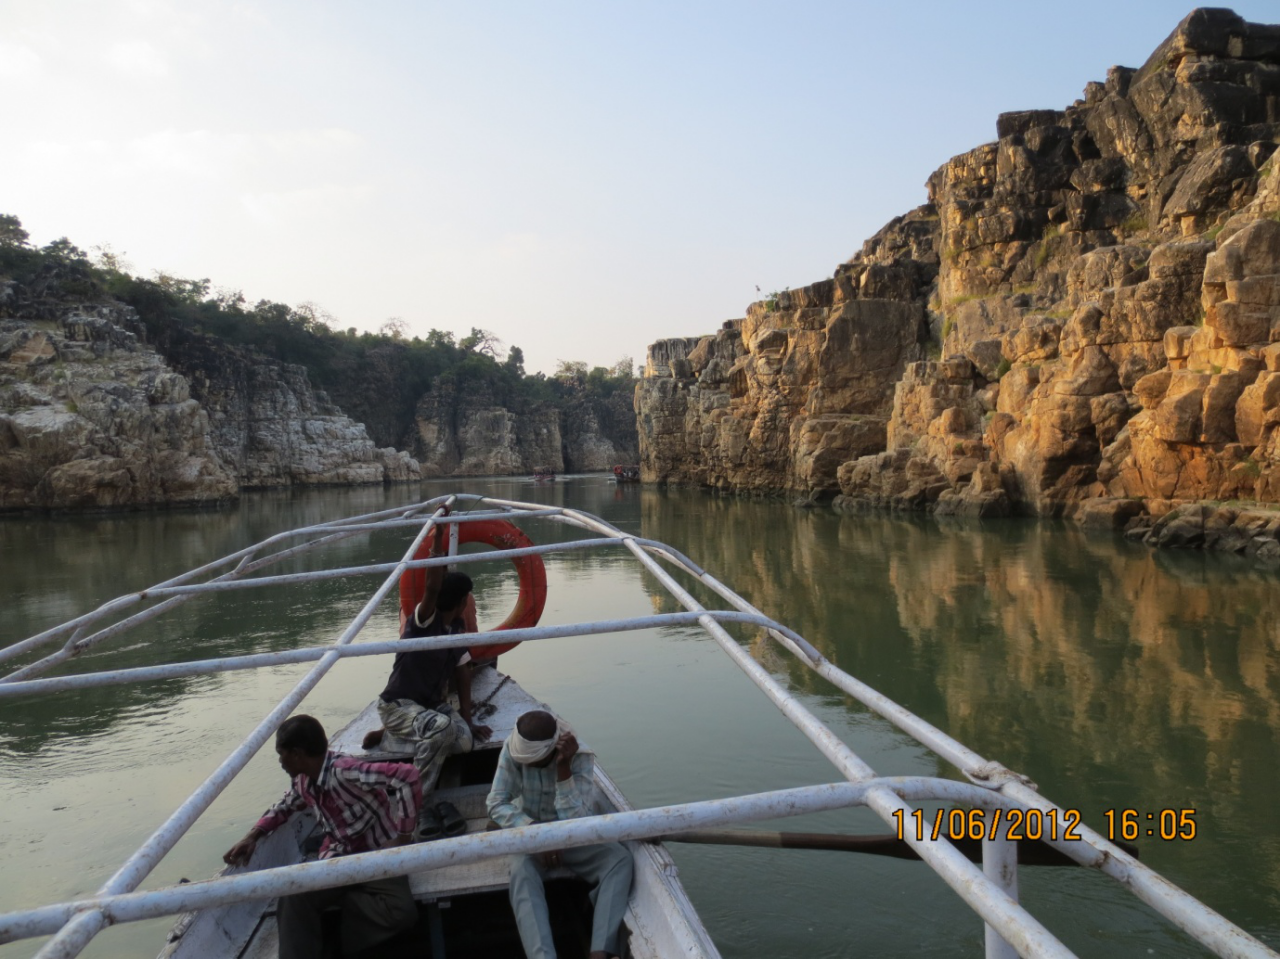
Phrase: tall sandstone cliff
(1084, 317)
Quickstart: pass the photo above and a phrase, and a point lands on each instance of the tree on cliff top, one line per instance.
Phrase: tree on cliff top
(481, 341)
(11, 231)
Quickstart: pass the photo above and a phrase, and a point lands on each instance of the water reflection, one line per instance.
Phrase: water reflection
(1114, 676)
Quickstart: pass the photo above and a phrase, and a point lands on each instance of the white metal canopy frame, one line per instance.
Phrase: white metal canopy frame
(991, 891)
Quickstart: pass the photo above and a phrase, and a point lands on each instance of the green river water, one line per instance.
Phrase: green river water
(1113, 676)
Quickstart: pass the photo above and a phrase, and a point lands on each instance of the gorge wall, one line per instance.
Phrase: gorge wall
(1084, 318)
(471, 432)
(92, 417)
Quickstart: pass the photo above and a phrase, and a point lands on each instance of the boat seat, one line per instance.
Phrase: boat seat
(490, 875)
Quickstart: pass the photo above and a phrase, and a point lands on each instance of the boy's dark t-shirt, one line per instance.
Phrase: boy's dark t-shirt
(424, 676)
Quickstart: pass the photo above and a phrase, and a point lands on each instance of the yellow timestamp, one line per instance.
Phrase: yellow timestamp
(1037, 824)
(1167, 824)
(974, 824)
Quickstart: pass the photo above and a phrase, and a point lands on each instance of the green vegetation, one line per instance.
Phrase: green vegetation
(1252, 467)
(1212, 232)
(1137, 223)
(948, 324)
(1047, 243)
(1004, 367)
(344, 362)
(963, 298)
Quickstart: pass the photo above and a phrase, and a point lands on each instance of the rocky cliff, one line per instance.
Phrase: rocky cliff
(270, 426)
(1086, 309)
(779, 399)
(93, 417)
(89, 417)
(468, 431)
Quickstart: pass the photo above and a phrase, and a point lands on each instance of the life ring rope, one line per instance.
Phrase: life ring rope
(532, 573)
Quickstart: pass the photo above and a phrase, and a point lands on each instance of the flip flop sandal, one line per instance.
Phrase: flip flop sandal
(452, 821)
(430, 825)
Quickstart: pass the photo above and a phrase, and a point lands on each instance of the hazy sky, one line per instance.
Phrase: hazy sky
(580, 178)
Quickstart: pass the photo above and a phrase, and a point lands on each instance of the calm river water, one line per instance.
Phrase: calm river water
(1112, 676)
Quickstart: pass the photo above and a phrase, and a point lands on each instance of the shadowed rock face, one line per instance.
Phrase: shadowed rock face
(1086, 309)
(472, 433)
(269, 425)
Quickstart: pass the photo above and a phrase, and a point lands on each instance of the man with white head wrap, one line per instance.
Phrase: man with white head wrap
(544, 776)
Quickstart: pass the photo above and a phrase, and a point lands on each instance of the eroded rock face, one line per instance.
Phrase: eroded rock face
(778, 400)
(471, 433)
(272, 429)
(1102, 287)
(91, 418)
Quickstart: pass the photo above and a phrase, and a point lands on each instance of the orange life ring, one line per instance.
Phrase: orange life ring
(499, 534)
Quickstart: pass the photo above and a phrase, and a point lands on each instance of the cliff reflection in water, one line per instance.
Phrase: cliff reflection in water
(1114, 676)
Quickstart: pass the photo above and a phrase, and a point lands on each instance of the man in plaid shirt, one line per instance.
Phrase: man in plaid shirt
(360, 806)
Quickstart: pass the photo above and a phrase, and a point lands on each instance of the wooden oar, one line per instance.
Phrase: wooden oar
(1030, 853)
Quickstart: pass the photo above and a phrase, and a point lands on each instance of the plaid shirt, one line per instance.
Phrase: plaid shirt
(361, 806)
(522, 795)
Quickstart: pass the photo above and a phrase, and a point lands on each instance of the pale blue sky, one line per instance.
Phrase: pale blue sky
(580, 178)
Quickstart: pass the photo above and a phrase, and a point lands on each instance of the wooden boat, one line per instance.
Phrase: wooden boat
(461, 881)
(463, 910)
(626, 474)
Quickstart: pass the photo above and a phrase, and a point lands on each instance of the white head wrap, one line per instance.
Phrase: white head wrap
(527, 751)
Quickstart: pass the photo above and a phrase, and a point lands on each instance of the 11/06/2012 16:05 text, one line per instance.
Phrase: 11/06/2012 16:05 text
(1036, 824)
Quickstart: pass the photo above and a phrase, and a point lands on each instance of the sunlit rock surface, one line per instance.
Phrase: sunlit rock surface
(90, 417)
(1086, 309)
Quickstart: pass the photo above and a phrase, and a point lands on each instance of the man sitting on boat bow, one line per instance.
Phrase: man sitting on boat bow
(415, 705)
(361, 807)
(543, 775)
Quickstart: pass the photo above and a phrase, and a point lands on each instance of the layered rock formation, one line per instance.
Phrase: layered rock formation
(1102, 286)
(92, 417)
(270, 426)
(470, 432)
(779, 399)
